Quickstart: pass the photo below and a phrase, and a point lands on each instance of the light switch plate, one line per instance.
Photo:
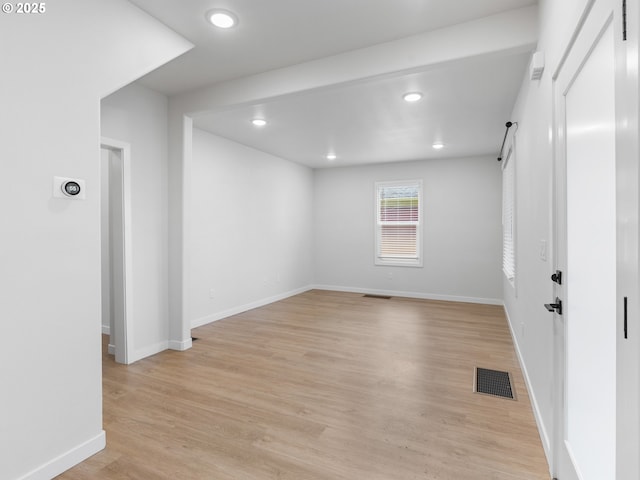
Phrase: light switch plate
(543, 250)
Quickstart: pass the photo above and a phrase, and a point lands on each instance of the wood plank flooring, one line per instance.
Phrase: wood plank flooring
(323, 386)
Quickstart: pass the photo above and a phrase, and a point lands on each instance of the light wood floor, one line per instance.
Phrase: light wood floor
(323, 385)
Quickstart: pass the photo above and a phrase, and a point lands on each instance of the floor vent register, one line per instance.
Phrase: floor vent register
(493, 382)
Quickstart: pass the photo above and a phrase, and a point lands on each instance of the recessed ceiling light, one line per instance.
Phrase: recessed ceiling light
(412, 97)
(221, 18)
(438, 146)
(331, 156)
(259, 122)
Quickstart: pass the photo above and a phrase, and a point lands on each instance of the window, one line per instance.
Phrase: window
(508, 214)
(398, 223)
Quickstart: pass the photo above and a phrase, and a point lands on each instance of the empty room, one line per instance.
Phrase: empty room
(320, 240)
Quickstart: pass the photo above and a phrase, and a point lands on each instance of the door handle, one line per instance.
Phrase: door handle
(554, 307)
(557, 277)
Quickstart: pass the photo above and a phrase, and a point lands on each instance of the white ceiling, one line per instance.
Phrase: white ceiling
(465, 106)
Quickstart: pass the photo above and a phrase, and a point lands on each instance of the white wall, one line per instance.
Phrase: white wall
(138, 116)
(251, 228)
(55, 67)
(462, 230)
(531, 324)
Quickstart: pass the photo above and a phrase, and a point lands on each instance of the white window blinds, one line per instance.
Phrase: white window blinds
(398, 223)
(508, 218)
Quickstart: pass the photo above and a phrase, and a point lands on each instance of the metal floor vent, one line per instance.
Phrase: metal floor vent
(493, 382)
(380, 297)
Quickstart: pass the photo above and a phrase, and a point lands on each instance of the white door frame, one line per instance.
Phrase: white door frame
(627, 229)
(124, 328)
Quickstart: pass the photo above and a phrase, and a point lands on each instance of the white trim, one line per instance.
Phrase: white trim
(187, 215)
(574, 462)
(418, 295)
(542, 431)
(181, 346)
(68, 460)
(395, 261)
(123, 355)
(574, 37)
(248, 306)
(149, 350)
(510, 176)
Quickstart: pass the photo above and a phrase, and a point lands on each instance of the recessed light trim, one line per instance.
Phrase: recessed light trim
(221, 18)
(259, 122)
(412, 97)
(438, 146)
(331, 157)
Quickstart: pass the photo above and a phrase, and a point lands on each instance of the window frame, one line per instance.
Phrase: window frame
(509, 268)
(398, 261)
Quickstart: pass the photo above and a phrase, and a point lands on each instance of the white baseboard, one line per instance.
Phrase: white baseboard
(67, 460)
(145, 352)
(106, 330)
(419, 295)
(248, 306)
(544, 436)
(180, 345)
(266, 301)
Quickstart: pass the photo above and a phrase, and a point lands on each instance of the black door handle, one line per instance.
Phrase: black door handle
(557, 277)
(554, 307)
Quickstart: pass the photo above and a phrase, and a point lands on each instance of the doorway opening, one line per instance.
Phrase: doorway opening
(116, 260)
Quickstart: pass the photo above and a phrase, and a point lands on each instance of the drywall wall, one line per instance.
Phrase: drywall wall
(461, 236)
(55, 68)
(530, 323)
(251, 231)
(138, 116)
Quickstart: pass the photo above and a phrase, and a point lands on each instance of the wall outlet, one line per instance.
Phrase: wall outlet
(212, 293)
(390, 276)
